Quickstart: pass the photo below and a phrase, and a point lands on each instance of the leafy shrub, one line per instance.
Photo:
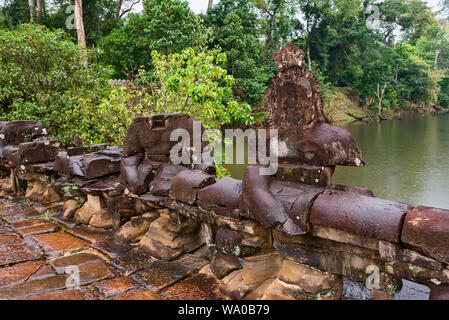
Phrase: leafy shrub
(42, 76)
(107, 121)
(191, 82)
(165, 26)
(195, 82)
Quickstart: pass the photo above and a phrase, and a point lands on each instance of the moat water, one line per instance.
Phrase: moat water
(407, 160)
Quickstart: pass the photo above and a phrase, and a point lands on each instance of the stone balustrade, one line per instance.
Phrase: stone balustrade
(292, 235)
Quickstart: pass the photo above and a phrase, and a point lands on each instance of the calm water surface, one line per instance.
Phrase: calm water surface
(407, 160)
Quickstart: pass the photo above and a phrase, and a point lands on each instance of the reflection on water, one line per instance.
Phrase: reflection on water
(407, 160)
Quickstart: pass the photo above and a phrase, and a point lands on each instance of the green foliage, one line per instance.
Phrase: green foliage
(234, 29)
(166, 26)
(108, 120)
(191, 82)
(41, 75)
(194, 82)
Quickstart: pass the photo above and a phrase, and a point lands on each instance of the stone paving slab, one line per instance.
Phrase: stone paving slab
(33, 287)
(18, 213)
(58, 243)
(131, 261)
(198, 287)
(38, 229)
(95, 271)
(161, 274)
(89, 235)
(111, 247)
(84, 293)
(30, 270)
(116, 286)
(28, 223)
(18, 252)
(140, 294)
(60, 264)
(9, 239)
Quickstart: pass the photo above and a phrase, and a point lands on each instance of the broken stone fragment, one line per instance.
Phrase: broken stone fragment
(222, 197)
(38, 151)
(381, 219)
(101, 186)
(69, 208)
(348, 262)
(151, 134)
(39, 187)
(133, 230)
(259, 268)
(101, 219)
(167, 245)
(410, 256)
(426, 230)
(223, 264)
(44, 168)
(98, 147)
(19, 131)
(229, 241)
(91, 165)
(297, 201)
(417, 273)
(165, 174)
(76, 151)
(126, 206)
(136, 174)
(93, 205)
(187, 183)
(9, 154)
(234, 287)
(311, 280)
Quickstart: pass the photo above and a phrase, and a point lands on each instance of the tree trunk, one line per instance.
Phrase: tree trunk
(80, 28)
(210, 4)
(39, 11)
(437, 52)
(309, 61)
(32, 5)
(380, 95)
(119, 9)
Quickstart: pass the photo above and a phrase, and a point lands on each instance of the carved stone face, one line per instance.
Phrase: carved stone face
(296, 110)
(289, 56)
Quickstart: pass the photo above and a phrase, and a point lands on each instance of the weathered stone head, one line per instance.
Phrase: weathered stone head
(14, 133)
(296, 110)
(146, 151)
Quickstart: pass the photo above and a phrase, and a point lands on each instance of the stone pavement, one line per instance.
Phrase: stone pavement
(44, 258)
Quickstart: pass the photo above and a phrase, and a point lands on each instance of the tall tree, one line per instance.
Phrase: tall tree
(166, 26)
(80, 23)
(125, 6)
(279, 21)
(234, 25)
